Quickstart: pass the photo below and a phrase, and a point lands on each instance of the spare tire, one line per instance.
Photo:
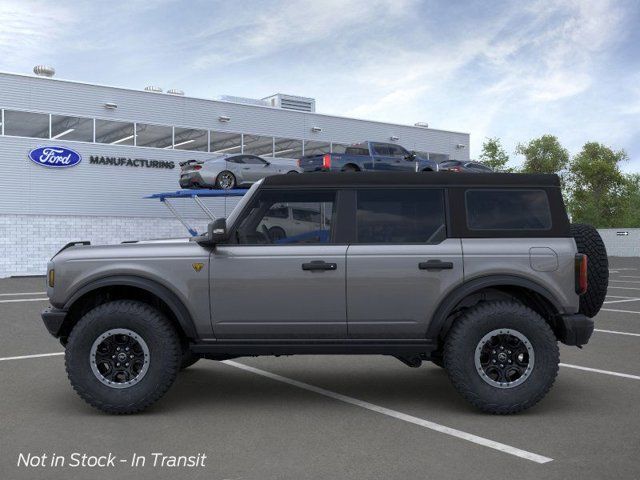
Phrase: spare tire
(590, 243)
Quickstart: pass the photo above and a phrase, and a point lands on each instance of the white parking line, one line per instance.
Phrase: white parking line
(628, 276)
(623, 288)
(16, 300)
(597, 370)
(398, 415)
(619, 311)
(617, 332)
(21, 293)
(39, 355)
(621, 301)
(625, 281)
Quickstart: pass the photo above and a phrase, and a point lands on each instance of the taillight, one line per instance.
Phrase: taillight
(326, 161)
(455, 169)
(581, 273)
(298, 162)
(197, 167)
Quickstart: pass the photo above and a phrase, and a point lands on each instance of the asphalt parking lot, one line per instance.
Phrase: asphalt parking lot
(329, 417)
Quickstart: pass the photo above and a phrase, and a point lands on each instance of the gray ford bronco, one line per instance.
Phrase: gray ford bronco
(481, 274)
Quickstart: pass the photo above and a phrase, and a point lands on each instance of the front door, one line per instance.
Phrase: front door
(255, 168)
(401, 263)
(280, 280)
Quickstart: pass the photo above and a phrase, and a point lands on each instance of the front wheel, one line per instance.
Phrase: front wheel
(501, 356)
(122, 356)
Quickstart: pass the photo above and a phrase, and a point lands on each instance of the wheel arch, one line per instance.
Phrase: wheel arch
(522, 289)
(131, 287)
(355, 166)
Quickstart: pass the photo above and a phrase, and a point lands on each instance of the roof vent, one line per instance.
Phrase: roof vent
(292, 102)
(44, 71)
(244, 100)
(175, 91)
(152, 88)
(422, 124)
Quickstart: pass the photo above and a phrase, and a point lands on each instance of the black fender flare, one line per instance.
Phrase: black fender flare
(446, 306)
(174, 303)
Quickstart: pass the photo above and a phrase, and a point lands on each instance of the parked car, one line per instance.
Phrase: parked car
(231, 171)
(480, 274)
(369, 156)
(464, 166)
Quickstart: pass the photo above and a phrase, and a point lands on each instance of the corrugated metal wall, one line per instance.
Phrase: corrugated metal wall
(102, 190)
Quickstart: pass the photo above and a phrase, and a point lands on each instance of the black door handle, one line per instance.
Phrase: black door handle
(435, 265)
(319, 265)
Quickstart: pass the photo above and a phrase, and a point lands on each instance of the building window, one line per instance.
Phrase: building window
(257, 145)
(72, 128)
(225, 143)
(191, 139)
(26, 124)
(312, 147)
(114, 133)
(287, 148)
(157, 136)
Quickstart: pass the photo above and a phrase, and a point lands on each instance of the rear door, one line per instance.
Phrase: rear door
(278, 279)
(401, 263)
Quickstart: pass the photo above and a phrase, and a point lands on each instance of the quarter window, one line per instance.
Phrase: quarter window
(511, 209)
(401, 216)
(267, 221)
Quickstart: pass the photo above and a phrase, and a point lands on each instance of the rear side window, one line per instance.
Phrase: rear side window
(400, 216)
(508, 209)
(356, 151)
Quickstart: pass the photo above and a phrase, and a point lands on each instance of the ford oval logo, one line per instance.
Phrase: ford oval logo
(56, 157)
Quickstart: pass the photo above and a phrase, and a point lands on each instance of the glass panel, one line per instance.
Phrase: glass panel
(72, 128)
(268, 221)
(222, 142)
(190, 139)
(157, 136)
(508, 210)
(26, 124)
(115, 133)
(288, 148)
(316, 148)
(401, 216)
(257, 145)
(339, 148)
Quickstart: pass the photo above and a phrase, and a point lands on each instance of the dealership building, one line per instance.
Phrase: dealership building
(129, 144)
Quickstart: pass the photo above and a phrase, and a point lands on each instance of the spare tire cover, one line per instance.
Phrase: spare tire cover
(590, 243)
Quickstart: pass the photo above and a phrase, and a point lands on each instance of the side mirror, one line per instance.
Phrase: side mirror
(267, 164)
(216, 233)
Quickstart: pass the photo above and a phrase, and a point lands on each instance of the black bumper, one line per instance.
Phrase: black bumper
(53, 319)
(575, 329)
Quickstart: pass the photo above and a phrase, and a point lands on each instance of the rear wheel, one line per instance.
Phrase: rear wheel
(122, 356)
(349, 168)
(502, 357)
(225, 180)
(590, 243)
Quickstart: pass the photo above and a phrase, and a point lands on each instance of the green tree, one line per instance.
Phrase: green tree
(599, 192)
(494, 155)
(631, 216)
(543, 155)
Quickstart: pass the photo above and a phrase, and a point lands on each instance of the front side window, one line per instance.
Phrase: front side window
(381, 149)
(401, 216)
(267, 220)
(251, 160)
(397, 151)
(508, 209)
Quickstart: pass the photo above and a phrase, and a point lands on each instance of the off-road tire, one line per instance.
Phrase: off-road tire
(590, 243)
(164, 356)
(464, 337)
(188, 359)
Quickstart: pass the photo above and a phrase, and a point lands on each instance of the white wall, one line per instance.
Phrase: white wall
(621, 245)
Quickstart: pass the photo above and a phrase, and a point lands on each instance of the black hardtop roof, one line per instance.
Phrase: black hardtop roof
(331, 179)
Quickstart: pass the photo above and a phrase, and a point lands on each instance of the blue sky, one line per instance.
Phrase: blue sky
(514, 70)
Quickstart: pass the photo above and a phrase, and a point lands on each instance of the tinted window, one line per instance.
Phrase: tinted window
(381, 149)
(254, 160)
(507, 210)
(236, 159)
(478, 166)
(267, 222)
(357, 151)
(397, 151)
(401, 216)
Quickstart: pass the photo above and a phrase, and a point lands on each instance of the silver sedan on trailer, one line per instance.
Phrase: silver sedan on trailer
(231, 171)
